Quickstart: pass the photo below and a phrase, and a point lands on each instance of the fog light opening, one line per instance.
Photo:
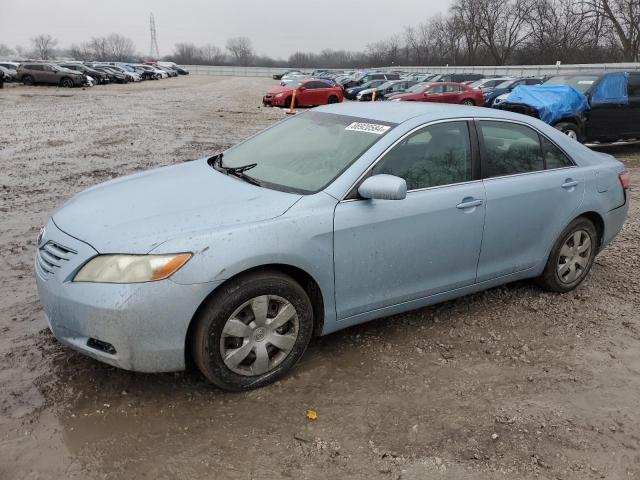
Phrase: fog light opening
(102, 346)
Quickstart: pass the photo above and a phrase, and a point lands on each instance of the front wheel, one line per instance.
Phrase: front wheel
(468, 102)
(252, 331)
(66, 82)
(571, 258)
(332, 99)
(569, 129)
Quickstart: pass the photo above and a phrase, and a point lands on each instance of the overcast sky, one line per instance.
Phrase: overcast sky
(277, 28)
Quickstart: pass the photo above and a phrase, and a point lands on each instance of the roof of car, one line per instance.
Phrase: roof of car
(399, 112)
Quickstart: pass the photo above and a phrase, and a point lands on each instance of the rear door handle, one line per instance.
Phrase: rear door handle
(569, 183)
(469, 203)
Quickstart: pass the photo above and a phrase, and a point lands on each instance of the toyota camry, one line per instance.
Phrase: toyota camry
(327, 219)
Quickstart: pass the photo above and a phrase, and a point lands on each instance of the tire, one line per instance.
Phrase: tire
(468, 102)
(570, 129)
(564, 254)
(66, 82)
(333, 99)
(27, 79)
(219, 331)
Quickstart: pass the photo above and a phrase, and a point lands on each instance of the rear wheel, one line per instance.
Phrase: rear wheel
(252, 331)
(569, 129)
(571, 258)
(468, 102)
(27, 79)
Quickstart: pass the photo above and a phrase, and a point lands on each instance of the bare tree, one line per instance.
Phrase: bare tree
(241, 50)
(624, 18)
(43, 45)
(212, 54)
(99, 48)
(186, 54)
(81, 51)
(5, 51)
(559, 31)
(501, 26)
(119, 48)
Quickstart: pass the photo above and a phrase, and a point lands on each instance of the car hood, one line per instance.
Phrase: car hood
(136, 213)
(403, 96)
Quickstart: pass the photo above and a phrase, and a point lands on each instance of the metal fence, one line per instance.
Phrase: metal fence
(514, 70)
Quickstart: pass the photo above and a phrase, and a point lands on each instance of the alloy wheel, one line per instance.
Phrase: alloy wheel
(259, 335)
(574, 257)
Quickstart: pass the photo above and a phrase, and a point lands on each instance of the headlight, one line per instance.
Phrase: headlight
(279, 95)
(131, 268)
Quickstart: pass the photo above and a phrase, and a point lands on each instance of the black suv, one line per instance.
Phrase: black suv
(613, 113)
(101, 78)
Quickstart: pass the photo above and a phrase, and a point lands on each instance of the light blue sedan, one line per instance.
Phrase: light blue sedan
(331, 218)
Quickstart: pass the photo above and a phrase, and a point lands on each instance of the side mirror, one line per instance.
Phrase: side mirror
(301, 89)
(383, 187)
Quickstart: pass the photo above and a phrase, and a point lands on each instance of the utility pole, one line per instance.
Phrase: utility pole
(154, 52)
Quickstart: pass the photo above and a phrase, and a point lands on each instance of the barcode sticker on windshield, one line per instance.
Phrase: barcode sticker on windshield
(368, 128)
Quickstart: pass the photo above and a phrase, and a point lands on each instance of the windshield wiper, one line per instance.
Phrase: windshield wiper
(236, 171)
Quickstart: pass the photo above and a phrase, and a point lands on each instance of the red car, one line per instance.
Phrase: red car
(309, 93)
(442, 92)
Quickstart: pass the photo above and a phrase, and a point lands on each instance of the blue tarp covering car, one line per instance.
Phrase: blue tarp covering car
(551, 102)
(612, 89)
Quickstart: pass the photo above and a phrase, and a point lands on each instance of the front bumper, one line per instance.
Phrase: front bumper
(143, 325)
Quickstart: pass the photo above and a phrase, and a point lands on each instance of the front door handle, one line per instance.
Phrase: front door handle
(469, 202)
(569, 183)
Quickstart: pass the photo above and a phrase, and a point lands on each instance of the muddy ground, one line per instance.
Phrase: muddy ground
(509, 383)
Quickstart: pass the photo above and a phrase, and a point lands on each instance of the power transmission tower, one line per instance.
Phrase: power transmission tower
(154, 52)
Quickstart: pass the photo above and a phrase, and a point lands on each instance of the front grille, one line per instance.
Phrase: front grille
(52, 256)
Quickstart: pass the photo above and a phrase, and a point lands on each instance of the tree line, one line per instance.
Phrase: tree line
(472, 32)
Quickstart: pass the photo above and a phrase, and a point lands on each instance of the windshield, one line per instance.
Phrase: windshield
(370, 83)
(305, 153)
(419, 88)
(582, 83)
(505, 84)
(385, 85)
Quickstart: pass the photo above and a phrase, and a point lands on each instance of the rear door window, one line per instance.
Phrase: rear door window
(509, 149)
(553, 156)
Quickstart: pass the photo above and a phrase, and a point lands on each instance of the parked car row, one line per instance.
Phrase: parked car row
(589, 107)
(76, 74)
